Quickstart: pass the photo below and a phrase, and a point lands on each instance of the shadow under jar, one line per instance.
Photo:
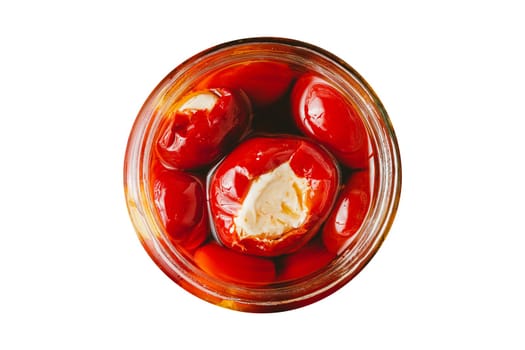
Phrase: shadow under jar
(262, 174)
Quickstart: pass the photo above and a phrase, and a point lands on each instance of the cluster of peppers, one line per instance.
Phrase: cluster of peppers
(238, 124)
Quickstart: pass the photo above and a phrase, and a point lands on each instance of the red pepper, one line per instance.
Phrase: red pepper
(305, 261)
(270, 195)
(232, 266)
(323, 113)
(349, 212)
(263, 81)
(202, 127)
(181, 206)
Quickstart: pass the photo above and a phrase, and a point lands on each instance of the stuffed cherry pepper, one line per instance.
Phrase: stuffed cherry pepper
(323, 113)
(202, 126)
(181, 206)
(349, 212)
(270, 195)
(263, 81)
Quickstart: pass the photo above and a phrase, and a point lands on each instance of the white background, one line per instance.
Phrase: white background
(72, 79)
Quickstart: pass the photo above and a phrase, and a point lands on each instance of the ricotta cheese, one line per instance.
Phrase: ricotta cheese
(275, 204)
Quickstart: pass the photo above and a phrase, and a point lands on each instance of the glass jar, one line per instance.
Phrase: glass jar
(281, 295)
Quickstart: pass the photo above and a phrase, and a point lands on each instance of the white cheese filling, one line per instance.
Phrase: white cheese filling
(275, 204)
(202, 100)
